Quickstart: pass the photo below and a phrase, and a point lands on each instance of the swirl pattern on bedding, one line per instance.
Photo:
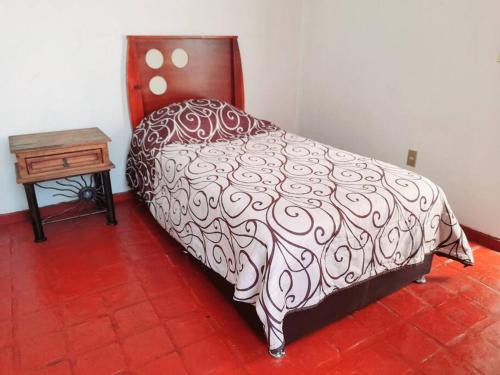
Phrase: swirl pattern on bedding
(286, 219)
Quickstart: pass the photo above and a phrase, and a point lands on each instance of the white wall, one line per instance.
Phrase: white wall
(377, 77)
(62, 65)
(380, 77)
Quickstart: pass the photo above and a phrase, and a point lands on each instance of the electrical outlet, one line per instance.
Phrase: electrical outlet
(411, 160)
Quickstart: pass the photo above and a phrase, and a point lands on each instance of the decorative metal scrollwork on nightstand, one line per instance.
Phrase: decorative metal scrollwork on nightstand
(85, 195)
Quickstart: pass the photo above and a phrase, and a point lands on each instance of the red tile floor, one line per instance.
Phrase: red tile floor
(96, 299)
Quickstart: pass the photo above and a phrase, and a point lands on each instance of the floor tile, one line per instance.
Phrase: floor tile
(431, 292)
(134, 237)
(4, 243)
(37, 323)
(157, 284)
(147, 345)
(124, 295)
(133, 318)
(443, 363)
(451, 279)
(5, 287)
(32, 278)
(347, 333)
(189, 328)
(374, 359)
(207, 355)
(205, 292)
(462, 311)
(140, 250)
(230, 369)
(7, 361)
(32, 301)
(404, 303)
(485, 296)
(114, 275)
(311, 352)
(151, 265)
(438, 261)
(475, 272)
(247, 345)
(492, 334)
(5, 268)
(268, 365)
(224, 316)
(437, 325)
(410, 343)
(375, 316)
(103, 361)
(484, 357)
(174, 303)
(347, 366)
(377, 360)
(83, 308)
(6, 333)
(5, 308)
(492, 279)
(90, 335)
(169, 364)
(41, 351)
(487, 257)
(58, 368)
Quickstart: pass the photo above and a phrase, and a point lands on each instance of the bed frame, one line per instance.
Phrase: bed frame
(214, 71)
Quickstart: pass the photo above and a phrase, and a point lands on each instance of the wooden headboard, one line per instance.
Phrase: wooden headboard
(213, 70)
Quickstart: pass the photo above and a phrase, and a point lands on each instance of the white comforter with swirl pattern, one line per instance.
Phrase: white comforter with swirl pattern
(289, 220)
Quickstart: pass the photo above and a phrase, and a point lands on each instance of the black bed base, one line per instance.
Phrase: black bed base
(333, 307)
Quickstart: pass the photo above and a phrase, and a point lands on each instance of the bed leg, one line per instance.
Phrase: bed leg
(421, 280)
(277, 353)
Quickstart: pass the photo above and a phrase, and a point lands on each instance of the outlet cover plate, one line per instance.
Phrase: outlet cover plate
(411, 160)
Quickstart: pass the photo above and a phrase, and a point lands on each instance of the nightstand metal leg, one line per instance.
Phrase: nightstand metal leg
(110, 206)
(36, 220)
(99, 199)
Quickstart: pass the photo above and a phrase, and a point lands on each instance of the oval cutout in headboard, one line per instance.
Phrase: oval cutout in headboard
(179, 58)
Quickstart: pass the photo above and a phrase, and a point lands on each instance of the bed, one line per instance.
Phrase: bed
(300, 232)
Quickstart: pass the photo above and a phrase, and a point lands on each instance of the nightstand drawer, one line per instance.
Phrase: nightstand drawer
(58, 162)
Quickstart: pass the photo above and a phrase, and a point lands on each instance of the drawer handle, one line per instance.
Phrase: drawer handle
(65, 163)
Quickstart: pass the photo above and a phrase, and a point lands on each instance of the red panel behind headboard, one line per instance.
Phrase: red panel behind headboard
(213, 71)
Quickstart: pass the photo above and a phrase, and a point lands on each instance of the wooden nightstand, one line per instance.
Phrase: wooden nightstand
(61, 154)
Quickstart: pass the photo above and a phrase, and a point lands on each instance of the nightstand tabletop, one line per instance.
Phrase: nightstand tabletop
(56, 139)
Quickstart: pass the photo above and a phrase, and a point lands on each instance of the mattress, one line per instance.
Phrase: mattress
(286, 219)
